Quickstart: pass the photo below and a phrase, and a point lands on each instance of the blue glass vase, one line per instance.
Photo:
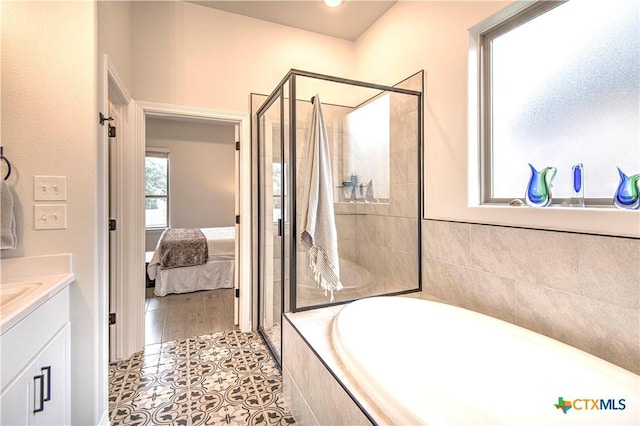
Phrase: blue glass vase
(539, 189)
(577, 189)
(626, 196)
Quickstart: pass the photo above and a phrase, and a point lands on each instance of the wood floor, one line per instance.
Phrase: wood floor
(180, 316)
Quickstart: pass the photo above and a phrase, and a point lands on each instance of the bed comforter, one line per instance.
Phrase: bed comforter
(180, 247)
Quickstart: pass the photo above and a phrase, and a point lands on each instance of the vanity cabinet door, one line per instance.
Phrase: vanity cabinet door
(17, 401)
(53, 364)
(41, 393)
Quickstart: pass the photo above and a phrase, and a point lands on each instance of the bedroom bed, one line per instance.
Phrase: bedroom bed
(182, 262)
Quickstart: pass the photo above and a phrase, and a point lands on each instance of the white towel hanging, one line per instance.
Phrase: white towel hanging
(319, 234)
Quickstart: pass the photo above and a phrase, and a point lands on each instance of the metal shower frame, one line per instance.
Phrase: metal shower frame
(278, 92)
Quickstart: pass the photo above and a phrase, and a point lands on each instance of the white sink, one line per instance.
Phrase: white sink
(13, 292)
(28, 282)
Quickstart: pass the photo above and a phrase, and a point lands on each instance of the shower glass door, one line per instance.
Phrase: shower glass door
(271, 224)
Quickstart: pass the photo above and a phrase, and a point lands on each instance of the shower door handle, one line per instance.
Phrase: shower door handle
(279, 227)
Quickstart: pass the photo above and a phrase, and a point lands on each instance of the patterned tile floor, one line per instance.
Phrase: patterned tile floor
(226, 378)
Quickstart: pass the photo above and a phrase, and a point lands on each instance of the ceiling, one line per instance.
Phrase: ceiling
(347, 21)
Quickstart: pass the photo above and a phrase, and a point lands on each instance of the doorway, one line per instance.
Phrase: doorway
(126, 336)
(191, 185)
(242, 293)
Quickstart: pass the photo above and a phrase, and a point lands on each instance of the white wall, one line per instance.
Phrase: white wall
(433, 36)
(188, 54)
(202, 173)
(114, 36)
(49, 128)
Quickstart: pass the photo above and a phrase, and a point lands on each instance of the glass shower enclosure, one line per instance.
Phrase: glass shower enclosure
(371, 206)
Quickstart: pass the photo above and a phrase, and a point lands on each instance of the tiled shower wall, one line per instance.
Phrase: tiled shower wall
(581, 289)
(383, 237)
(380, 237)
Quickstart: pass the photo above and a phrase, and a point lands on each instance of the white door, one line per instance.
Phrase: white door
(114, 112)
(40, 395)
(236, 273)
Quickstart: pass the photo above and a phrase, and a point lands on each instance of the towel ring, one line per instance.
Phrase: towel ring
(6, 160)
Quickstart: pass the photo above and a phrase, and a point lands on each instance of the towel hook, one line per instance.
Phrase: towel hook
(6, 160)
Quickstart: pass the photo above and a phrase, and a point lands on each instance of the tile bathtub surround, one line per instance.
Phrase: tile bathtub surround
(311, 391)
(226, 378)
(304, 373)
(583, 290)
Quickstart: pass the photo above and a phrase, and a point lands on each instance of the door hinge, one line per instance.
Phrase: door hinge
(238, 219)
(103, 119)
(112, 224)
(238, 146)
(112, 318)
(237, 292)
(112, 131)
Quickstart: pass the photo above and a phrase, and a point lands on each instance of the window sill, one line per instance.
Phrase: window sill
(557, 206)
(605, 220)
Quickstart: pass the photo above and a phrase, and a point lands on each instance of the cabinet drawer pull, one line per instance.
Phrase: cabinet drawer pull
(47, 369)
(40, 378)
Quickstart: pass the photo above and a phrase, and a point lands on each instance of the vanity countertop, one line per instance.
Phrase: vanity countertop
(28, 282)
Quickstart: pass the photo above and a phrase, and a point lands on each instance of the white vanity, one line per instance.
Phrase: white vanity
(35, 340)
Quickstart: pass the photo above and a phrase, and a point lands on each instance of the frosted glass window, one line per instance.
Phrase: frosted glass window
(565, 88)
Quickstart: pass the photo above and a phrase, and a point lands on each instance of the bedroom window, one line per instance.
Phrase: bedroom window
(560, 85)
(156, 188)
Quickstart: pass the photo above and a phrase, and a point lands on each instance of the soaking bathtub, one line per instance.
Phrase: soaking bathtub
(428, 363)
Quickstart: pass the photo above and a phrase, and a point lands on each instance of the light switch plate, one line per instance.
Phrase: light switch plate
(50, 188)
(50, 216)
